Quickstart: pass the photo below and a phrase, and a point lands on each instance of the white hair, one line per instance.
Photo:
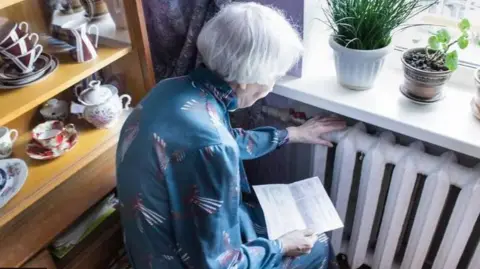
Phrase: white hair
(249, 43)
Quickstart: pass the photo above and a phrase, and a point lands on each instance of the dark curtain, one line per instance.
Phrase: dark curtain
(173, 27)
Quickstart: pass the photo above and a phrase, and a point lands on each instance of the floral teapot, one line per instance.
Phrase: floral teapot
(100, 104)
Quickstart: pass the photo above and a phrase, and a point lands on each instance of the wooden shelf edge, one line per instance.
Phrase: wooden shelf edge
(107, 143)
(7, 3)
(62, 85)
(59, 179)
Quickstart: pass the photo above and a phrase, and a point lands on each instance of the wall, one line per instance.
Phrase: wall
(294, 10)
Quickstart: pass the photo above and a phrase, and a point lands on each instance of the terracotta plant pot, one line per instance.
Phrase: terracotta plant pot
(422, 84)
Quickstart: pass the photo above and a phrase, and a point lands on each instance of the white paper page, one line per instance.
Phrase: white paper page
(316, 208)
(280, 210)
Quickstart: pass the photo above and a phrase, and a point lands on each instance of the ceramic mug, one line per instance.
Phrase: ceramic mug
(71, 6)
(7, 138)
(51, 134)
(11, 32)
(95, 8)
(85, 49)
(22, 46)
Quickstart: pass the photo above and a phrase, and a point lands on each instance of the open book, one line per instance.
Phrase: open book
(297, 206)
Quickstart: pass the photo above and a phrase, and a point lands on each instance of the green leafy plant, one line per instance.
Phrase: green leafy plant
(441, 43)
(370, 24)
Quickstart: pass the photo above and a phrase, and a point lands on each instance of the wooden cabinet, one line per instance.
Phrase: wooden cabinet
(42, 260)
(58, 192)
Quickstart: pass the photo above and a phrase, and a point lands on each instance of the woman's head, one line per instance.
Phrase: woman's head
(250, 46)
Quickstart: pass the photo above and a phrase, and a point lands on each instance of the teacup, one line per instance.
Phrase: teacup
(25, 63)
(51, 134)
(11, 32)
(7, 138)
(22, 46)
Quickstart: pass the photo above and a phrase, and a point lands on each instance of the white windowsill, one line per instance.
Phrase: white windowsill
(448, 123)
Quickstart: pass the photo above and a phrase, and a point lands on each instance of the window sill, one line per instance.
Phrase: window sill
(448, 123)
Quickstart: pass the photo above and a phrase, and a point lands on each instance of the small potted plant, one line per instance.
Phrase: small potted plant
(428, 69)
(362, 35)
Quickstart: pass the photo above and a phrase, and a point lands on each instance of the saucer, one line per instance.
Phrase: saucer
(421, 101)
(9, 72)
(38, 152)
(54, 45)
(13, 172)
(5, 85)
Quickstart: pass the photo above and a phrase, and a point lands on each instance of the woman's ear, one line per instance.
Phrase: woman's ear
(242, 86)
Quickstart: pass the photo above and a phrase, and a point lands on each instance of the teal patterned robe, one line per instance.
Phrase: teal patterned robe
(180, 182)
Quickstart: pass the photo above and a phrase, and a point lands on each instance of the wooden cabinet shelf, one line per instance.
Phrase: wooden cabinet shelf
(7, 3)
(44, 176)
(57, 192)
(14, 103)
(98, 248)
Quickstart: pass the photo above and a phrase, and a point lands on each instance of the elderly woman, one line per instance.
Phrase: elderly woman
(179, 162)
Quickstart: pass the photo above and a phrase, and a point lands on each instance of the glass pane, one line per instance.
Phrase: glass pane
(446, 13)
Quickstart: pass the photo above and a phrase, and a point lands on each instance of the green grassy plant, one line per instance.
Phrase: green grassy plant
(370, 24)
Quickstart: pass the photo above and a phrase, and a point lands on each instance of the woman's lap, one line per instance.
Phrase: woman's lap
(321, 257)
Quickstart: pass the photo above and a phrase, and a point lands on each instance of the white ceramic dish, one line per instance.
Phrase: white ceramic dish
(15, 172)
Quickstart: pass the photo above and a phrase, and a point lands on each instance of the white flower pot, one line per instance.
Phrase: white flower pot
(358, 69)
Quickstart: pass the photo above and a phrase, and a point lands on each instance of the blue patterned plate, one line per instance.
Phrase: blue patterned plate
(13, 173)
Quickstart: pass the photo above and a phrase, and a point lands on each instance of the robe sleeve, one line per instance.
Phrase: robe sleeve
(215, 205)
(260, 141)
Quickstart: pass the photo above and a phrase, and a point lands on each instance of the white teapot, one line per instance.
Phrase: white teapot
(100, 104)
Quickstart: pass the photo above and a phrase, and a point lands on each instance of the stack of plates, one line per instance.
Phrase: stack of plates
(11, 78)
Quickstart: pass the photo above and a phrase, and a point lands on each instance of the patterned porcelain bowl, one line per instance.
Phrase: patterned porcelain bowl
(55, 110)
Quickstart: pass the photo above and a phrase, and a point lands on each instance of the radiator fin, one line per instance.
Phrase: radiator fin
(398, 200)
(372, 172)
(460, 226)
(433, 199)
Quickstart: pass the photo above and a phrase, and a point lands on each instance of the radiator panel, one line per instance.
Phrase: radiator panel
(441, 172)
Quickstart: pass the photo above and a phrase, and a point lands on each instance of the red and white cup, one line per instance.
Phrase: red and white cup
(51, 134)
(25, 63)
(21, 46)
(11, 32)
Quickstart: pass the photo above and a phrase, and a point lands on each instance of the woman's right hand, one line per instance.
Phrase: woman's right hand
(298, 243)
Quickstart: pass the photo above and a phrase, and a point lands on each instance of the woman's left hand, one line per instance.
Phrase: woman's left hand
(311, 131)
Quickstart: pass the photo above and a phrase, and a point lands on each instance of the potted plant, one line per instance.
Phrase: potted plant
(427, 69)
(362, 35)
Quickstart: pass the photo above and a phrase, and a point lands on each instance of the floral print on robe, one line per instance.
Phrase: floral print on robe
(180, 180)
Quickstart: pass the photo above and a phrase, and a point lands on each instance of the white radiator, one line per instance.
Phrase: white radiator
(393, 195)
